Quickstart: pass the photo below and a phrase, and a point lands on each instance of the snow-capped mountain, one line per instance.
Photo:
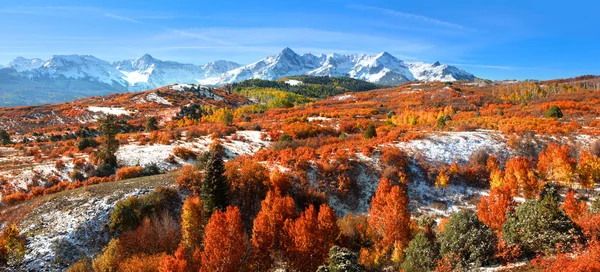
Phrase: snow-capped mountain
(66, 77)
(382, 68)
(22, 64)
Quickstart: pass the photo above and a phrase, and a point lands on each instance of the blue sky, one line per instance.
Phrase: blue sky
(511, 39)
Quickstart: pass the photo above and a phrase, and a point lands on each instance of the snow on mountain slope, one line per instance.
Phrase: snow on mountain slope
(437, 72)
(74, 74)
(22, 64)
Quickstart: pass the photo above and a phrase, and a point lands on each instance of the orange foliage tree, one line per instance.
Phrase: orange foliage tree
(573, 208)
(588, 169)
(192, 223)
(225, 243)
(249, 183)
(389, 222)
(518, 174)
(492, 209)
(267, 232)
(309, 237)
(555, 164)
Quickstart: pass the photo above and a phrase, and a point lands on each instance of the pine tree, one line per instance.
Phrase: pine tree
(467, 240)
(539, 224)
(151, 124)
(554, 112)
(109, 130)
(4, 137)
(421, 254)
(370, 132)
(341, 260)
(215, 188)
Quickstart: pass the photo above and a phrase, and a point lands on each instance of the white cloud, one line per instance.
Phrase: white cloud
(408, 16)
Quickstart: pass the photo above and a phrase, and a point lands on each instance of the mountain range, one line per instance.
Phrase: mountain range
(67, 77)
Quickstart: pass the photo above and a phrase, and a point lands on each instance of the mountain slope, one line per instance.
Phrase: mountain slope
(67, 77)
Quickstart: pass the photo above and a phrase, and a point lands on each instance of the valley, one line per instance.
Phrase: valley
(423, 151)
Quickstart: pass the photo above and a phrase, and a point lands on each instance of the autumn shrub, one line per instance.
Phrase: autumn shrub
(184, 153)
(12, 246)
(14, 198)
(82, 265)
(79, 163)
(249, 183)
(87, 142)
(142, 263)
(190, 178)
(59, 164)
(128, 172)
(157, 234)
(130, 212)
(76, 175)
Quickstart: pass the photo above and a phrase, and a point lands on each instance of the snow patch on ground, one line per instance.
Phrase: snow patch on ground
(344, 97)
(450, 147)
(109, 110)
(153, 97)
(293, 82)
(182, 87)
(318, 118)
(248, 142)
(57, 236)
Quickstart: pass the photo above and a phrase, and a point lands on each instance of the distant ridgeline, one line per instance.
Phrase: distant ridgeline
(309, 86)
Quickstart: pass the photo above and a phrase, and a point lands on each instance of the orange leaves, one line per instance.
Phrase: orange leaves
(192, 223)
(573, 208)
(583, 259)
(267, 232)
(555, 164)
(588, 169)
(184, 153)
(442, 180)
(190, 178)
(225, 242)
(128, 172)
(309, 238)
(249, 183)
(492, 209)
(389, 220)
(518, 173)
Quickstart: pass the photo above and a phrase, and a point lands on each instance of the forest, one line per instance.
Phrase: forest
(334, 174)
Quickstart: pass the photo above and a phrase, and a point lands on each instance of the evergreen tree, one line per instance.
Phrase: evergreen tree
(554, 112)
(110, 145)
(215, 188)
(467, 240)
(370, 132)
(4, 137)
(151, 124)
(342, 260)
(539, 224)
(420, 255)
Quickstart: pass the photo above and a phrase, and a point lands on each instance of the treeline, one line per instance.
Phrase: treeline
(311, 86)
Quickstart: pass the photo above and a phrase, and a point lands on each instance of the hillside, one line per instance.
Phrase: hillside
(68, 77)
(411, 158)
